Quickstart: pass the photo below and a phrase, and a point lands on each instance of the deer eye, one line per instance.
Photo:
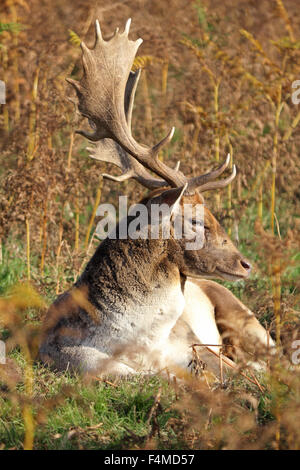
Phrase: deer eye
(197, 223)
(224, 242)
(92, 124)
(206, 228)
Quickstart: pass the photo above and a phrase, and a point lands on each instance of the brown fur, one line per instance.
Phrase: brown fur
(129, 276)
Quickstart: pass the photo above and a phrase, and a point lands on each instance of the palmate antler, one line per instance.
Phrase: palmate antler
(106, 95)
(108, 150)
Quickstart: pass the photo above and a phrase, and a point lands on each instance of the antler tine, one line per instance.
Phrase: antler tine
(177, 166)
(218, 184)
(211, 175)
(98, 32)
(101, 93)
(118, 179)
(109, 151)
(127, 27)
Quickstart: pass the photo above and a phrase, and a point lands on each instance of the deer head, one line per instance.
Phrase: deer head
(105, 97)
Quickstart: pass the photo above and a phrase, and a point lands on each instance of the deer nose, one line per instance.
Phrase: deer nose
(246, 265)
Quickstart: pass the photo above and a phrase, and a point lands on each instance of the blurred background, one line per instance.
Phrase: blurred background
(220, 71)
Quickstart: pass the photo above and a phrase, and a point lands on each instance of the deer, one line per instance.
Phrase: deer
(141, 303)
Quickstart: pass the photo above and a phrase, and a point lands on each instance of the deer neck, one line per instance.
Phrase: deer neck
(136, 289)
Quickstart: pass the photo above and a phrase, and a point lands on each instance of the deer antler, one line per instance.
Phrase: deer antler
(101, 93)
(206, 182)
(106, 95)
(107, 150)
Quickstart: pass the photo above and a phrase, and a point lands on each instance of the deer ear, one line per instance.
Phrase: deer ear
(171, 197)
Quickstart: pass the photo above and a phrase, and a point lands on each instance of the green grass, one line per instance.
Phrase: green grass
(11, 271)
(93, 415)
(73, 413)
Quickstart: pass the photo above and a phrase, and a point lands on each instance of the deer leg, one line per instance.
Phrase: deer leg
(84, 359)
(246, 338)
(216, 316)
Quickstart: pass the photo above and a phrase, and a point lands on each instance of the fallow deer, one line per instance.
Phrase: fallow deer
(140, 303)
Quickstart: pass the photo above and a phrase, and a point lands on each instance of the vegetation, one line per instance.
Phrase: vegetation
(222, 74)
